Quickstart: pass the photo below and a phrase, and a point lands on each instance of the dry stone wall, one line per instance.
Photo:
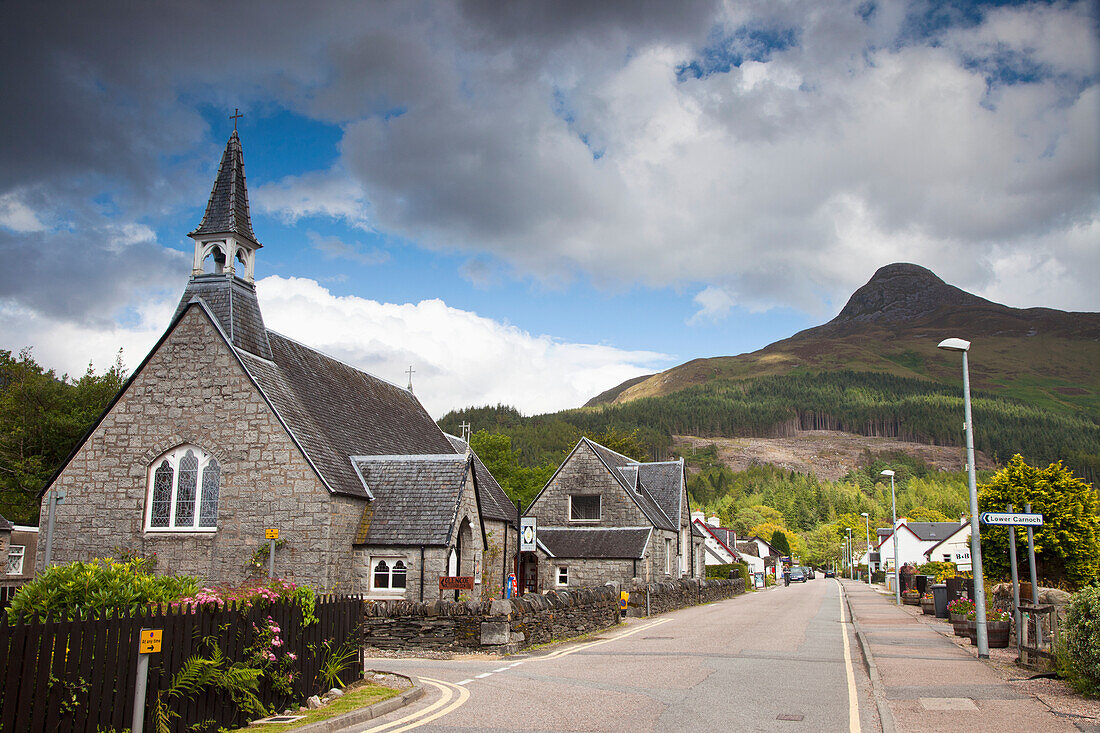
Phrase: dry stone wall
(535, 618)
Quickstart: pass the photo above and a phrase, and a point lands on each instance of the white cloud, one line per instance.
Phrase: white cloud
(17, 216)
(319, 193)
(334, 248)
(459, 357)
(714, 305)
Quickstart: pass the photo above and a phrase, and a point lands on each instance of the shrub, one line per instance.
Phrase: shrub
(740, 570)
(98, 586)
(960, 606)
(1082, 641)
(942, 570)
(251, 593)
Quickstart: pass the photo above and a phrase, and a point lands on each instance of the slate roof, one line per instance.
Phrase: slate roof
(233, 304)
(415, 498)
(724, 536)
(640, 493)
(932, 531)
(336, 411)
(665, 482)
(495, 503)
(5, 524)
(227, 209)
(594, 542)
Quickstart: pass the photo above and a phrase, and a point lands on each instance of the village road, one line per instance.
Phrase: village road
(767, 661)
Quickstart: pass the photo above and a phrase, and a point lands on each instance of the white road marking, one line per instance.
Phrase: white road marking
(483, 675)
(853, 702)
(502, 669)
(464, 682)
(436, 710)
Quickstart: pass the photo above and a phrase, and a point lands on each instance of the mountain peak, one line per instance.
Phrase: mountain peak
(902, 292)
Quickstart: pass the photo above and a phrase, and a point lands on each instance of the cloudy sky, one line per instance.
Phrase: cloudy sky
(531, 202)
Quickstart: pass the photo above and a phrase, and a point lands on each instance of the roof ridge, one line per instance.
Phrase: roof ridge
(456, 457)
(339, 361)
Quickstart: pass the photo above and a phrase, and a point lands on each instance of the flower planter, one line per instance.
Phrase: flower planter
(972, 631)
(998, 632)
(910, 600)
(958, 623)
(928, 606)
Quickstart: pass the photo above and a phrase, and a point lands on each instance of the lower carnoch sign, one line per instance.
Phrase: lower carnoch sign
(1018, 519)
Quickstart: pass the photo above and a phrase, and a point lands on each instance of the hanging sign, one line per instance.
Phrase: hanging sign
(961, 558)
(527, 534)
(1018, 519)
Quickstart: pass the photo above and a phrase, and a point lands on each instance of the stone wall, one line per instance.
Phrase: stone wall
(584, 473)
(674, 594)
(535, 618)
(520, 622)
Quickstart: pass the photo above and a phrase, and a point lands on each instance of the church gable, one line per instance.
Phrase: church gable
(189, 462)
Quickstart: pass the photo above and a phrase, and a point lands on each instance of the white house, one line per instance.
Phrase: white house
(957, 542)
(915, 539)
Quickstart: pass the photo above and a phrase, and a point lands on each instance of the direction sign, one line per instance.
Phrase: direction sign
(1018, 519)
(272, 533)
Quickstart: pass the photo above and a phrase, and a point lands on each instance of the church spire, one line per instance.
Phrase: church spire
(223, 275)
(225, 233)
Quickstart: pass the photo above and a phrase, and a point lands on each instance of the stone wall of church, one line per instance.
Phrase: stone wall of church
(193, 390)
(584, 473)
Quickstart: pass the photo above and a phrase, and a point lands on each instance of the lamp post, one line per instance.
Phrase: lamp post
(867, 543)
(851, 558)
(894, 534)
(982, 636)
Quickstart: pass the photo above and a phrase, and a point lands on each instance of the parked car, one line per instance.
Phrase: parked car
(810, 573)
(830, 573)
(798, 574)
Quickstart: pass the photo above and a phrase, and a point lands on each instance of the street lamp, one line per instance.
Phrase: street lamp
(894, 534)
(851, 558)
(867, 543)
(975, 531)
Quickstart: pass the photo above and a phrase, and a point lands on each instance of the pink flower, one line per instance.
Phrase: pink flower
(292, 656)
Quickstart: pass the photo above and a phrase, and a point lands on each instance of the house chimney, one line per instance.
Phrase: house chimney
(698, 515)
(714, 521)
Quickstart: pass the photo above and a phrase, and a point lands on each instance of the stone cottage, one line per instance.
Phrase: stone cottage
(227, 429)
(606, 517)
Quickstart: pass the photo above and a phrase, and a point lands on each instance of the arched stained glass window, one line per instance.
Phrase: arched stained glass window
(162, 495)
(208, 511)
(184, 489)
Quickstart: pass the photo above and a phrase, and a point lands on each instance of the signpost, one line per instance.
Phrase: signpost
(624, 601)
(527, 534)
(456, 582)
(1008, 519)
(148, 643)
(272, 534)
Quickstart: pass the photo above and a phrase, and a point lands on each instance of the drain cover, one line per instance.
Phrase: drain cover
(280, 719)
(788, 716)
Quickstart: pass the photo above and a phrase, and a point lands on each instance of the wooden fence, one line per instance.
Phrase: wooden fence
(80, 675)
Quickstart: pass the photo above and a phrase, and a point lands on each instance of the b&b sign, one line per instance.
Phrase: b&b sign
(1017, 519)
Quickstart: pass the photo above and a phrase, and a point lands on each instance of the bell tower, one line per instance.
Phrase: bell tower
(225, 235)
(223, 273)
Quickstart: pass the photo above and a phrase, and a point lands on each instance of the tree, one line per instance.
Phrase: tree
(519, 482)
(779, 542)
(1067, 546)
(42, 417)
(627, 443)
(923, 514)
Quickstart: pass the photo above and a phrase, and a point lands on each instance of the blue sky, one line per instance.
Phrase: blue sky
(530, 203)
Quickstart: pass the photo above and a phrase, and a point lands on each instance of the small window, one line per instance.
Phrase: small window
(563, 575)
(15, 559)
(388, 574)
(584, 508)
(946, 557)
(668, 556)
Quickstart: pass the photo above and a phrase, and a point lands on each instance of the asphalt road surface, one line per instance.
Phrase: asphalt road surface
(775, 660)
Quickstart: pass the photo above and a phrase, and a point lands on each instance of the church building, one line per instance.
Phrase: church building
(228, 429)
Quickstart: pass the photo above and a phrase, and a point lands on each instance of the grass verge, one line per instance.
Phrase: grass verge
(357, 695)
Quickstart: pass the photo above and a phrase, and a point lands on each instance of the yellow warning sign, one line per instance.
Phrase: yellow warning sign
(150, 641)
(624, 599)
(272, 533)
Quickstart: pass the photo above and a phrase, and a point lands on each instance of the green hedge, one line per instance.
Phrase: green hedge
(1082, 642)
(723, 571)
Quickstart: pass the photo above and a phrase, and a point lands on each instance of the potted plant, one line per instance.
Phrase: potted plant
(928, 604)
(910, 597)
(957, 611)
(998, 624)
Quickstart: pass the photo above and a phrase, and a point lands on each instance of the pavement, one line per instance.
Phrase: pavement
(922, 681)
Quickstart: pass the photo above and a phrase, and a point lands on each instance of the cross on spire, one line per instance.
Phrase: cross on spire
(465, 428)
(235, 116)
(410, 371)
